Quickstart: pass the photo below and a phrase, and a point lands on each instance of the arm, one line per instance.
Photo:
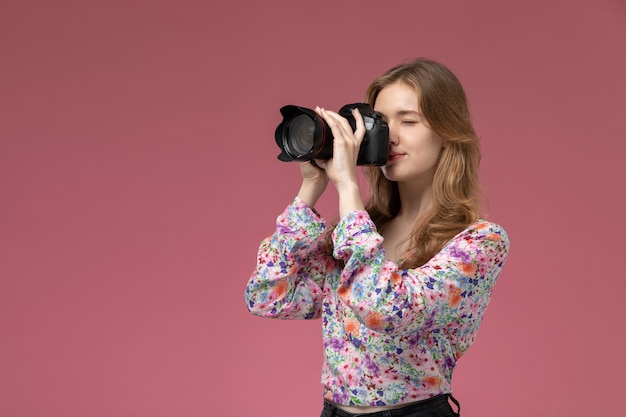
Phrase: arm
(450, 292)
(288, 279)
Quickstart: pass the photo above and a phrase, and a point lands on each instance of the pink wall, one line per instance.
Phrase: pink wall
(138, 174)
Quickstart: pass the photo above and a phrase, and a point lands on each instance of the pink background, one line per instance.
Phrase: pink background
(138, 174)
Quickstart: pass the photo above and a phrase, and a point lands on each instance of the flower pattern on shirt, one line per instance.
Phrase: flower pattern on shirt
(391, 335)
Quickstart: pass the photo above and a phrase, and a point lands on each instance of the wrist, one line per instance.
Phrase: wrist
(349, 198)
(311, 191)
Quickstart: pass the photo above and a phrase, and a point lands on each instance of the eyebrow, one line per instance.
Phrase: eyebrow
(407, 112)
(401, 113)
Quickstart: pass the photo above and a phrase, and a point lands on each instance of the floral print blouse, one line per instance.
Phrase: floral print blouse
(391, 335)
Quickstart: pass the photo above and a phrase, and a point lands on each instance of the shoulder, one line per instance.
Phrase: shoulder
(478, 250)
(487, 228)
(483, 233)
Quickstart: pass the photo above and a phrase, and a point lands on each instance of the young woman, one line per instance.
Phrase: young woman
(402, 283)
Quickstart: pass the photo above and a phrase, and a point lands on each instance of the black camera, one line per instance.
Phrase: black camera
(303, 135)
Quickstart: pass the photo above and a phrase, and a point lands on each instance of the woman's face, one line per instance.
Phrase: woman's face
(414, 147)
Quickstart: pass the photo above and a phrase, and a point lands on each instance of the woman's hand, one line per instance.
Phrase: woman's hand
(314, 182)
(341, 168)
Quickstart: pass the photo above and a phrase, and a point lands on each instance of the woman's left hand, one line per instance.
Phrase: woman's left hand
(341, 168)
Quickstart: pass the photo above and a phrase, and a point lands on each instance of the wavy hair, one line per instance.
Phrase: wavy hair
(456, 191)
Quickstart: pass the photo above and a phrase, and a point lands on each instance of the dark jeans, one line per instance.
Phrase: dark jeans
(433, 407)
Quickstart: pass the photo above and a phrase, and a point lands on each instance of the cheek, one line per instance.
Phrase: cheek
(433, 149)
(437, 143)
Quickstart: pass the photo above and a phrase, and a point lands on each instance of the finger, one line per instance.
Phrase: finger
(319, 163)
(359, 132)
(338, 124)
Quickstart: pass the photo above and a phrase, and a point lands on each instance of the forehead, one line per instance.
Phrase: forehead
(398, 96)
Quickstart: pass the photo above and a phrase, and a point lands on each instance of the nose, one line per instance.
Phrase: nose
(393, 137)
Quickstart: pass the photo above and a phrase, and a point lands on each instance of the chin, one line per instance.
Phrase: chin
(390, 174)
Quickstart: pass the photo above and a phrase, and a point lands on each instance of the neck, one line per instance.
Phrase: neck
(415, 199)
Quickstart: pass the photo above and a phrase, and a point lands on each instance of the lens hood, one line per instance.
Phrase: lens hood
(320, 140)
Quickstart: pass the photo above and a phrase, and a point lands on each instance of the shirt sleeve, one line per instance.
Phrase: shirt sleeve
(291, 266)
(448, 293)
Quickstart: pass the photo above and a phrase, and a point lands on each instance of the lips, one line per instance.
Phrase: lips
(394, 155)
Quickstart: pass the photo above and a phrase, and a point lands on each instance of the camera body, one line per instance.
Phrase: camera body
(303, 135)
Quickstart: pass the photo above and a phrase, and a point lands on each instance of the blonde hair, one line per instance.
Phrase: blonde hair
(456, 192)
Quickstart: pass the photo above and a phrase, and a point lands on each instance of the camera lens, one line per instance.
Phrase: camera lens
(299, 135)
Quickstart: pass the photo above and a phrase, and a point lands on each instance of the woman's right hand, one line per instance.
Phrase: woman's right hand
(314, 182)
